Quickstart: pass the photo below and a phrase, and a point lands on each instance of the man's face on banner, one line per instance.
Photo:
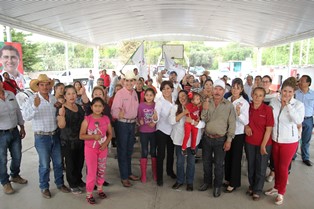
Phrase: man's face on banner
(10, 61)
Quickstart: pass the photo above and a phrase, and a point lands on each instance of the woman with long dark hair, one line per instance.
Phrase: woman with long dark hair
(234, 155)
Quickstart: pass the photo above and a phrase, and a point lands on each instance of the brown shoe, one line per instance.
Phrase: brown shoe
(134, 178)
(64, 189)
(7, 188)
(46, 193)
(18, 179)
(126, 183)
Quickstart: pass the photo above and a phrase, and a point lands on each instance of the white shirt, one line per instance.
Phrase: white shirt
(176, 89)
(177, 133)
(10, 113)
(243, 118)
(163, 108)
(248, 90)
(44, 116)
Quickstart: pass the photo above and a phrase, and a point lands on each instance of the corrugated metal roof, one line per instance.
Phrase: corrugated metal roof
(96, 22)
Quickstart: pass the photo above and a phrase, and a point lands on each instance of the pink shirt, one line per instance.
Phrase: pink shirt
(96, 126)
(125, 100)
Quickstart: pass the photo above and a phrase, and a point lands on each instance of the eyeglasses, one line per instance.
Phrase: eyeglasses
(266, 81)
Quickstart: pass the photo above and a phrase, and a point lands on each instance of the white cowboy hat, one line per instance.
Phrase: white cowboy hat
(42, 78)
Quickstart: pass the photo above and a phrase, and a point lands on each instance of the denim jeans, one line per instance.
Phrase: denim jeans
(190, 166)
(48, 148)
(125, 143)
(307, 127)
(257, 165)
(90, 85)
(148, 138)
(10, 140)
(213, 153)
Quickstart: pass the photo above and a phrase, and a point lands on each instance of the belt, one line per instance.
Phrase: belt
(127, 120)
(214, 136)
(308, 117)
(51, 133)
(8, 130)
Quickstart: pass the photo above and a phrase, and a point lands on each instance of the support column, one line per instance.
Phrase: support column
(1, 33)
(96, 60)
(8, 31)
(259, 57)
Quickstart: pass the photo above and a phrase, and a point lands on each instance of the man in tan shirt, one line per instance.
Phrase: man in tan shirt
(220, 118)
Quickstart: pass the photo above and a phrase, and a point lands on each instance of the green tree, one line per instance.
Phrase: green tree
(30, 56)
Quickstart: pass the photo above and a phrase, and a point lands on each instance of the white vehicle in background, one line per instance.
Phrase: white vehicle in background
(72, 75)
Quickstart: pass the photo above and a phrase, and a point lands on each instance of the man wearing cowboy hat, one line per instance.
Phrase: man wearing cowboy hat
(41, 111)
(10, 139)
(124, 109)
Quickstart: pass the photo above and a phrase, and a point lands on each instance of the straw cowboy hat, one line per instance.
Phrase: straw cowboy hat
(129, 75)
(42, 78)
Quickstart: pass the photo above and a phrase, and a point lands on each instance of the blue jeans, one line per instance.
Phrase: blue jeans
(90, 85)
(10, 140)
(125, 143)
(148, 138)
(307, 127)
(48, 147)
(190, 166)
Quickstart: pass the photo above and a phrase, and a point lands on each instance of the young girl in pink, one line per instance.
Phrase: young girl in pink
(195, 109)
(96, 130)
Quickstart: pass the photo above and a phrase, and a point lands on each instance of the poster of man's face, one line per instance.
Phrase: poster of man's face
(11, 58)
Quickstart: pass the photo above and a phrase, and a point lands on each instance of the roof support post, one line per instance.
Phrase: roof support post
(66, 53)
(1, 33)
(259, 57)
(8, 31)
(96, 59)
(290, 56)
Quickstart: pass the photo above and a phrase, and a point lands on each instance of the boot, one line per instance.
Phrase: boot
(154, 168)
(143, 169)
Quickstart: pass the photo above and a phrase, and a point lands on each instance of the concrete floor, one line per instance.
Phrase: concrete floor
(300, 193)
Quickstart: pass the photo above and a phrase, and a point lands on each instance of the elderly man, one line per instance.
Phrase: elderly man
(10, 60)
(248, 86)
(40, 109)
(220, 119)
(124, 109)
(306, 96)
(10, 139)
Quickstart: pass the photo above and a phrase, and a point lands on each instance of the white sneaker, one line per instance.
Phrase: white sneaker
(279, 199)
(271, 192)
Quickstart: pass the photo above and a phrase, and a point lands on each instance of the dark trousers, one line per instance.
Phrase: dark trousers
(164, 140)
(233, 161)
(213, 153)
(257, 165)
(74, 161)
(125, 144)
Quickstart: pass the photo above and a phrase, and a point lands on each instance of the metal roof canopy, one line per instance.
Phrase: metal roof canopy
(97, 22)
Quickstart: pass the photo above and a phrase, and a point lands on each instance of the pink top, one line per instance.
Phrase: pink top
(125, 100)
(96, 126)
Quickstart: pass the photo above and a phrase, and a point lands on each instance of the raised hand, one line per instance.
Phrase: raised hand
(206, 104)
(62, 111)
(37, 100)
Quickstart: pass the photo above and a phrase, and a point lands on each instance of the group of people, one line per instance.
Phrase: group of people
(222, 122)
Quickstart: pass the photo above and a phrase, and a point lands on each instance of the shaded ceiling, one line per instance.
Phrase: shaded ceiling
(97, 22)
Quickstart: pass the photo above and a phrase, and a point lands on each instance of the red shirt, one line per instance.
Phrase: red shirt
(10, 87)
(106, 80)
(259, 119)
(194, 110)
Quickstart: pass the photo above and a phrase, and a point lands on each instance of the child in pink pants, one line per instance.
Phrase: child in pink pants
(97, 133)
